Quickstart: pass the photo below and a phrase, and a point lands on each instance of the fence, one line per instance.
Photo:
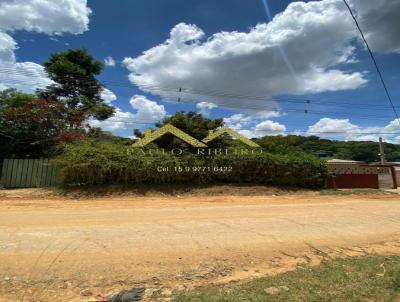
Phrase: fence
(28, 173)
(361, 176)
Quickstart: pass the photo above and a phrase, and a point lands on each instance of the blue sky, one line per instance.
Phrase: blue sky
(257, 76)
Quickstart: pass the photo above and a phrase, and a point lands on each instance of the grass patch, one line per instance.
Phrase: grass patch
(371, 278)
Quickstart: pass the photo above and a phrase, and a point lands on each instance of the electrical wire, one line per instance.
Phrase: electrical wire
(211, 92)
(373, 60)
(228, 104)
(245, 106)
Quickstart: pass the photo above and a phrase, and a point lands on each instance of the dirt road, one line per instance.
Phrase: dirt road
(53, 248)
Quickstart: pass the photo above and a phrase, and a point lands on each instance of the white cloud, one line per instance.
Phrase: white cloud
(329, 125)
(7, 47)
(343, 129)
(182, 33)
(238, 121)
(25, 76)
(264, 114)
(109, 61)
(269, 128)
(205, 107)
(108, 96)
(333, 80)
(146, 112)
(393, 126)
(45, 16)
(314, 37)
(263, 129)
(121, 120)
(302, 50)
(252, 127)
(337, 129)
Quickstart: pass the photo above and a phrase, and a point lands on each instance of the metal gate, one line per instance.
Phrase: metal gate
(361, 176)
(28, 173)
(353, 181)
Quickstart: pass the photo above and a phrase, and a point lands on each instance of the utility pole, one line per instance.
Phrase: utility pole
(382, 151)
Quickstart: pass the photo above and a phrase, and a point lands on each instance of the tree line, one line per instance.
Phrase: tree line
(366, 151)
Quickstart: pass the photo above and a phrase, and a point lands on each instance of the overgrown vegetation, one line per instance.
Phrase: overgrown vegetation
(28, 126)
(33, 125)
(92, 162)
(372, 278)
(362, 151)
(192, 123)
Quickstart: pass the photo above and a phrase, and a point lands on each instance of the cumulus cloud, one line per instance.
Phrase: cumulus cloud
(269, 128)
(205, 107)
(302, 50)
(393, 126)
(146, 112)
(121, 120)
(264, 128)
(108, 96)
(339, 129)
(330, 128)
(298, 52)
(329, 125)
(44, 16)
(238, 121)
(26, 76)
(344, 129)
(7, 47)
(109, 61)
(252, 127)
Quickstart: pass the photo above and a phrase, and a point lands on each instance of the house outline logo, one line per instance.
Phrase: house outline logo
(151, 136)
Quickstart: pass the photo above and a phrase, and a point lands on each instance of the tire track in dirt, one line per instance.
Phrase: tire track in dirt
(180, 242)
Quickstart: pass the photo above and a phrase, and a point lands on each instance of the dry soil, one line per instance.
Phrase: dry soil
(55, 248)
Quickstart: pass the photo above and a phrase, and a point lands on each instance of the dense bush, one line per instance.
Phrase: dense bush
(367, 151)
(97, 163)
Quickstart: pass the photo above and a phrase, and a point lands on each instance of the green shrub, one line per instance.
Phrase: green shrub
(97, 163)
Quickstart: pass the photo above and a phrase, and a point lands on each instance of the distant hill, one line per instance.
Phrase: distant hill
(354, 150)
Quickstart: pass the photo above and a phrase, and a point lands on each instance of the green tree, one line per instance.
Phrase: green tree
(75, 85)
(365, 151)
(393, 156)
(353, 150)
(29, 126)
(280, 144)
(97, 134)
(192, 123)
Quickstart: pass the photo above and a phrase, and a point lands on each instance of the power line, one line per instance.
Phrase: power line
(210, 92)
(244, 106)
(286, 110)
(373, 60)
(287, 133)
